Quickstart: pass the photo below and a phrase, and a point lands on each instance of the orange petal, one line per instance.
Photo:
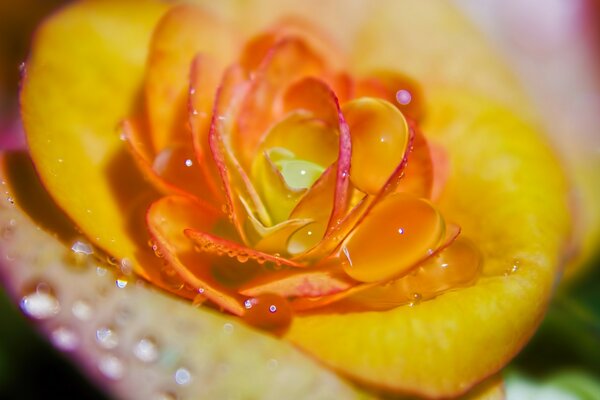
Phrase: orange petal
(167, 219)
(316, 96)
(288, 60)
(72, 129)
(205, 76)
(299, 283)
(397, 89)
(418, 175)
(183, 32)
(173, 171)
(241, 196)
(501, 170)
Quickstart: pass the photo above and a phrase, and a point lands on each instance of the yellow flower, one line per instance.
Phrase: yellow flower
(503, 187)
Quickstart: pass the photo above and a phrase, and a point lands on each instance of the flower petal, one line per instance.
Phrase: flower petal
(180, 35)
(167, 219)
(518, 178)
(75, 147)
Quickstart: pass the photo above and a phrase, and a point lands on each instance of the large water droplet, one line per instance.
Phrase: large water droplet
(171, 277)
(146, 350)
(268, 311)
(41, 303)
(107, 338)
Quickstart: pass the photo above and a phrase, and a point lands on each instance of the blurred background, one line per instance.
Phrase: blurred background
(551, 44)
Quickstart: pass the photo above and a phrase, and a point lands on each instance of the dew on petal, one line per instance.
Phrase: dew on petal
(146, 350)
(81, 247)
(380, 136)
(228, 328)
(268, 311)
(171, 277)
(107, 337)
(305, 238)
(82, 310)
(458, 265)
(111, 367)
(41, 303)
(183, 376)
(121, 282)
(64, 338)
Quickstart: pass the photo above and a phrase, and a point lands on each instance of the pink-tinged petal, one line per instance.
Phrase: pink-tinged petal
(183, 32)
(205, 76)
(316, 96)
(173, 171)
(212, 244)
(315, 282)
(241, 196)
(420, 174)
(167, 219)
(396, 88)
(289, 59)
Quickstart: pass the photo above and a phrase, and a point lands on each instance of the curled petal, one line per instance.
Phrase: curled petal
(167, 219)
(183, 32)
(288, 60)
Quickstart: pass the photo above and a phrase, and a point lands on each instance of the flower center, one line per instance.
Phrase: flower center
(307, 188)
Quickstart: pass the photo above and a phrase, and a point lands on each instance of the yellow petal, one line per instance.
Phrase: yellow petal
(507, 191)
(71, 119)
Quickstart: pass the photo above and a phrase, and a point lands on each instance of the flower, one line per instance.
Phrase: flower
(82, 149)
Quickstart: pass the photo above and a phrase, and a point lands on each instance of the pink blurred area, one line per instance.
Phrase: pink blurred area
(554, 47)
(18, 19)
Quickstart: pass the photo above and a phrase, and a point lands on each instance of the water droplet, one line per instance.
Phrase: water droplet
(82, 310)
(401, 231)
(111, 367)
(81, 247)
(64, 338)
(121, 282)
(126, 266)
(107, 338)
(272, 364)
(268, 311)
(123, 315)
(41, 303)
(22, 67)
(189, 163)
(183, 376)
(111, 260)
(415, 299)
(10, 200)
(146, 350)
(403, 97)
(171, 277)
(9, 229)
(199, 299)
(228, 328)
